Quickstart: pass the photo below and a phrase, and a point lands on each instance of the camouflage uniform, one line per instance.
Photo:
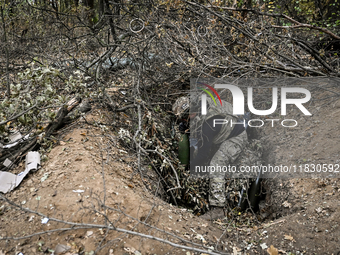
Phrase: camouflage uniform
(180, 106)
(228, 151)
(227, 154)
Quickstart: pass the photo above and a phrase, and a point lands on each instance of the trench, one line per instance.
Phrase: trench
(250, 198)
(260, 199)
(194, 193)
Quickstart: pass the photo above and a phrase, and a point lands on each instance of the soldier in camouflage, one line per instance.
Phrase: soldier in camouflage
(220, 145)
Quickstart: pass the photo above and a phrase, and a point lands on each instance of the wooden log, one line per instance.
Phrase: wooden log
(16, 153)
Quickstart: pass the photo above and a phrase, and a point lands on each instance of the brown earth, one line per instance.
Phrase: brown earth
(89, 178)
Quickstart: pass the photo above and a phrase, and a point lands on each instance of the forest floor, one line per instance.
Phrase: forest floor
(89, 168)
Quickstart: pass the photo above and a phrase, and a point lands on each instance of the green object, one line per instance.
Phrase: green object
(184, 149)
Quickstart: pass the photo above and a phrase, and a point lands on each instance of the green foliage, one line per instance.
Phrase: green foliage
(325, 13)
(40, 86)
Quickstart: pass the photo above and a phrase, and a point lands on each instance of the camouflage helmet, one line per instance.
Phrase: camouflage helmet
(181, 106)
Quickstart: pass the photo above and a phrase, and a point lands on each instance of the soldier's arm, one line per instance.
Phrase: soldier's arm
(229, 150)
(208, 134)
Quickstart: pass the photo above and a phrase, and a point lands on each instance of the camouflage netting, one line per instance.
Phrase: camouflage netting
(160, 132)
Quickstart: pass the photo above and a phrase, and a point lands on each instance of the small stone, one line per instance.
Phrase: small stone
(89, 233)
(263, 246)
(61, 248)
(318, 210)
(337, 104)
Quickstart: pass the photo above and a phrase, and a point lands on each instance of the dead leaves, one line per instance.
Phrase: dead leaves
(272, 250)
(289, 237)
(287, 204)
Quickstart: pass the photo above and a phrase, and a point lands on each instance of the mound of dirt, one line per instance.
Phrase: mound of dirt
(89, 179)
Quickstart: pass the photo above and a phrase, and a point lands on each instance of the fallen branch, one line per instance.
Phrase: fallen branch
(16, 153)
(63, 111)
